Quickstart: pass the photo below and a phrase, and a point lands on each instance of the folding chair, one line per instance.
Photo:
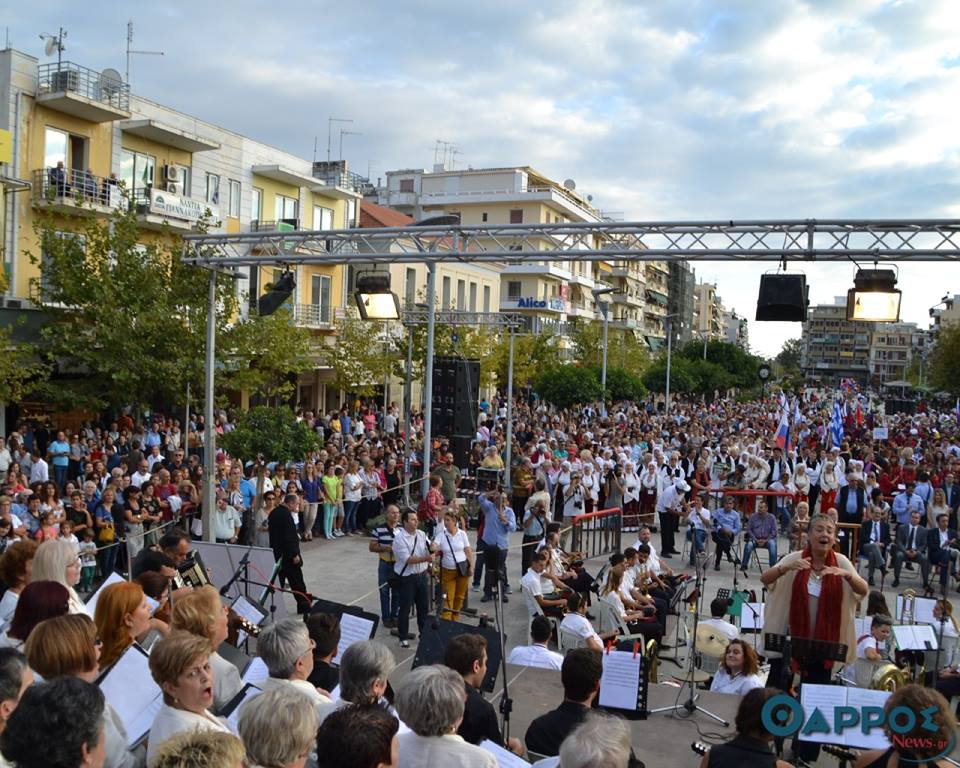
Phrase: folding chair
(567, 640)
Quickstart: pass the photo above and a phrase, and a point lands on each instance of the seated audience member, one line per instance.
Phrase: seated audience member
(600, 740)
(16, 566)
(324, 630)
(180, 665)
(751, 745)
(15, 678)
(202, 613)
(537, 654)
(287, 651)
(718, 610)
(467, 654)
(201, 749)
(738, 670)
(57, 561)
(278, 728)
(920, 745)
(67, 646)
(57, 724)
(358, 737)
(39, 600)
(122, 615)
(576, 622)
(364, 670)
(430, 702)
(550, 601)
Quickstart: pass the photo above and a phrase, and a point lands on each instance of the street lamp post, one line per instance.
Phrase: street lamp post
(605, 311)
(666, 321)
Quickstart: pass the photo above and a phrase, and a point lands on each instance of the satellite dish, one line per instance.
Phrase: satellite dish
(110, 81)
(570, 184)
(51, 46)
(589, 198)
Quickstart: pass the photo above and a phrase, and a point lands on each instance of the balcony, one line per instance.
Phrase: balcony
(312, 316)
(85, 93)
(78, 192)
(280, 225)
(625, 323)
(580, 309)
(158, 209)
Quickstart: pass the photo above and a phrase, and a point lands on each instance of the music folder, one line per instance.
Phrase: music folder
(129, 688)
(355, 623)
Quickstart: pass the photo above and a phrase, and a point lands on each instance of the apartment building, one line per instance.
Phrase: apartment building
(657, 300)
(681, 300)
(893, 349)
(708, 315)
(735, 330)
(78, 134)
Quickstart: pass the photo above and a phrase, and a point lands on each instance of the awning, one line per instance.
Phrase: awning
(655, 343)
(656, 297)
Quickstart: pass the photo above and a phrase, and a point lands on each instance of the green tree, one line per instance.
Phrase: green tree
(623, 349)
(944, 361)
(741, 365)
(621, 383)
(683, 377)
(710, 377)
(788, 358)
(264, 433)
(566, 385)
(532, 354)
(362, 356)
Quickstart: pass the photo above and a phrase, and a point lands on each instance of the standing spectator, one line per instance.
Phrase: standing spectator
(39, 473)
(456, 564)
(330, 489)
(311, 499)
(107, 514)
(59, 454)
(226, 521)
(498, 523)
(381, 542)
(413, 556)
(286, 550)
(449, 475)
(370, 496)
(352, 494)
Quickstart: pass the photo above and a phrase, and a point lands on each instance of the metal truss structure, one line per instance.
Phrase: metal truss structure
(455, 317)
(878, 240)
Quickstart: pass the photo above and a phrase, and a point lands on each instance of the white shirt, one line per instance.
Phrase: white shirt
(738, 684)
(352, 483)
(170, 721)
(535, 655)
(452, 545)
(696, 520)
(449, 751)
(323, 704)
(579, 625)
(39, 472)
(139, 478)
(407, 545)
(531, 582)
(653, 562)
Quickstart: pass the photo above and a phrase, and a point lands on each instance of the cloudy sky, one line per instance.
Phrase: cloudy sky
(666, 109)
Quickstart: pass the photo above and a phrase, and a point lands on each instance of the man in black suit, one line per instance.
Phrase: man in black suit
(911, 546)
(580, 675)
(286, 549)
(940, 547)
(850, 505)
(952, 491)
(874, 539)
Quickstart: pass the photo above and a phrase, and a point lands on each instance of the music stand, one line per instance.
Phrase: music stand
(365, 629)
(436, 635)
(803, 649)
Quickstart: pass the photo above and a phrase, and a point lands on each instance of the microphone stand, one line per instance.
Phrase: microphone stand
(241, 568)
(506, 703)
(690, 705)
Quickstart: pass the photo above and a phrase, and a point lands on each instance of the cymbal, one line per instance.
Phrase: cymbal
(698, 677)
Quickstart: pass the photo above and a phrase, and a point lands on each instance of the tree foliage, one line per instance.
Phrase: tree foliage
(567, 385)
(621, 383)
(623, 349)
(740, 365)
(362, 355)
(682, 376)
(532, 354)
(788, 358)
(269, 432)
(944, 361)
(130, 318)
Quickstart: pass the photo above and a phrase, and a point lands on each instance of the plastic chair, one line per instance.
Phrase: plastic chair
(567, 640)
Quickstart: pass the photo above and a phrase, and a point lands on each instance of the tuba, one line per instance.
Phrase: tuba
(889, 677)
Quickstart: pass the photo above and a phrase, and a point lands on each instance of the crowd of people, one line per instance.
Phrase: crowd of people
(80, 506)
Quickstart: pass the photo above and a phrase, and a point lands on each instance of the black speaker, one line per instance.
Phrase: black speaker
(893, 406)
(460, 448)
(437, 633)
(456, 390)
(783, 298)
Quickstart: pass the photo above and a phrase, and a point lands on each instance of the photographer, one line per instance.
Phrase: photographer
(498, 523)
(572, 500)
(534, 531)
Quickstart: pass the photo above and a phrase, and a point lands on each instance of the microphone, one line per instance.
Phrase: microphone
(236, 574)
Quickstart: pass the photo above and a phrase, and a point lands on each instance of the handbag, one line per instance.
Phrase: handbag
(105, 533)
(463, 566)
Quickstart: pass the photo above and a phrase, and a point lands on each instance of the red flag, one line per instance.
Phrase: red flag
(859, 416)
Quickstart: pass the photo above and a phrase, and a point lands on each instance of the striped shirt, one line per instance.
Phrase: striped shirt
(383, 535)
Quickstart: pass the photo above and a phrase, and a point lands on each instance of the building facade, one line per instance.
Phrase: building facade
(681, 303)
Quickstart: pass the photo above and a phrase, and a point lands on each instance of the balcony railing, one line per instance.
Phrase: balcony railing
(66, 77)
(77, 187)
(312, 315)
(344, 179)
(281, 225)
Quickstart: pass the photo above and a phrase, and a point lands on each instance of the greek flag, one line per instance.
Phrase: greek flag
(836, 424)
(797, 416)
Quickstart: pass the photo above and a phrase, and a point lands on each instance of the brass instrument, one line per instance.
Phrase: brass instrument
(908, 616)
(908, 612)
(653, 675)
(889, 677)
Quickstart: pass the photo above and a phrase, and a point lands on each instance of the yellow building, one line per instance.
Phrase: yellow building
(78, 133)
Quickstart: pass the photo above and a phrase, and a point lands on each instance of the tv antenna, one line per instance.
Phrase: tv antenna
(131, 52)
(55, 43)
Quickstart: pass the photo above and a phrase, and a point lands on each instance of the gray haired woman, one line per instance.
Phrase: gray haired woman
(278, 729)
(287, 651)
(430, 702)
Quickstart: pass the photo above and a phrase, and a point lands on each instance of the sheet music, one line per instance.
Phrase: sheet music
(131, 691)
(862, 626)
(620, 681)
(91, 604)
(247, 610)
(233, 716)
(505, 758)
(827, 697)
(749, 619)
(256, 673)
(914, 637)
(352, 629)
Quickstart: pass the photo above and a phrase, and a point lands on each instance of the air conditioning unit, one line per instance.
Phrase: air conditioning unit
(171, 173)
(173, 188)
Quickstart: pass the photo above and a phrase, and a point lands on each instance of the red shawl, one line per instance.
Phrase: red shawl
(828, 609)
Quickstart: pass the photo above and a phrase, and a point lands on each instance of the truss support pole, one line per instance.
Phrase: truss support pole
(507, 482)
(210, 434)
(428, 377)
(407, 408)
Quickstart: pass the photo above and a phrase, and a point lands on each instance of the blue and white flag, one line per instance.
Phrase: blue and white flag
(836, 424)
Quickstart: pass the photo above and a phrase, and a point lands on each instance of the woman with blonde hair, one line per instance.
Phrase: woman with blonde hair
(180, 665)
(58, 561)
(201, 749)
(938, 506)
(202, 613)
(122, 615)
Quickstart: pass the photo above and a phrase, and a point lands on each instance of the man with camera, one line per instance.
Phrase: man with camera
(498, 523)
(534, 530)
(572, 500)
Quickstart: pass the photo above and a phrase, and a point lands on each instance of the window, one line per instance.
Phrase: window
(322, 217)
(445, 295)
(213, 189)
(137, 170)
(406, 185)
(483, 216)
(256, 205)
(461, 294)
(473, 297)
(286, 209)
(486, 298)
(410, 287)
(233, 204)
(320, 297)
(514, 289)
(351, 213)
(516, 216)
(54, 148)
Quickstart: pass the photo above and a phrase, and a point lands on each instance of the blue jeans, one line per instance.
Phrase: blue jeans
(699, 539)
(108, 560)
(350, 515)
(389, 598)
(752, 545)
(60, 476)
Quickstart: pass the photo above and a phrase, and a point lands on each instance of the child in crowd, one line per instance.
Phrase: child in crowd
(48, 527)
(67, 534)
(88, 560)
